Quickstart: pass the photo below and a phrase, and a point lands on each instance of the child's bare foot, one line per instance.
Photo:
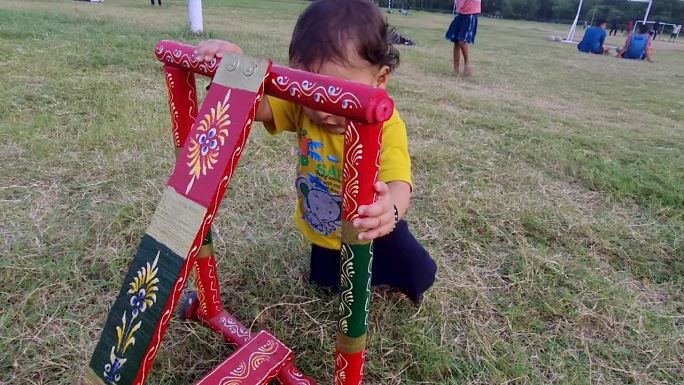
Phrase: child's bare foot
(457, 71)
(468, 71)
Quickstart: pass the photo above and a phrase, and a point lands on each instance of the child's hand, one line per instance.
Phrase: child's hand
(209, 49)
(379, 217)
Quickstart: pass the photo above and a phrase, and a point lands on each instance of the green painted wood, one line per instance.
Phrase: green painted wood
(355, 264)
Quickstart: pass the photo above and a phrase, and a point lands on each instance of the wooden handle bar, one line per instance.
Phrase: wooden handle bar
(351, 100)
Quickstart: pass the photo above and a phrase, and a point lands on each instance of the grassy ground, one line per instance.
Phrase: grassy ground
(550, 190)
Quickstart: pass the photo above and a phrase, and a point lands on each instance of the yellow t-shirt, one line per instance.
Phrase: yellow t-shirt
(318, 214)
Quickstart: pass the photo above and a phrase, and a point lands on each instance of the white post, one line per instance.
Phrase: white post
(195, 16)
(648, 9)
(571, 33)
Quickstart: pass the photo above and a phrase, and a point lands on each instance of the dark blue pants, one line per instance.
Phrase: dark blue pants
(399, 261)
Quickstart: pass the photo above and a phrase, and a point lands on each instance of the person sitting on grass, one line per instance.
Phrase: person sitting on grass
(347, 40)
(593, 39)
(637, 46)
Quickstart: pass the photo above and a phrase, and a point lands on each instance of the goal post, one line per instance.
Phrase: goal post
(573, 28)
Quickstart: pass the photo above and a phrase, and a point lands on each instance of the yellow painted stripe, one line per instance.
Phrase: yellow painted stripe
(350, 235)
(91, 378)
(205, 251)
(351, 345)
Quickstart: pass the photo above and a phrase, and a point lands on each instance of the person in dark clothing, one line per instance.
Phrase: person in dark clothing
(158, 2)
(613, 28)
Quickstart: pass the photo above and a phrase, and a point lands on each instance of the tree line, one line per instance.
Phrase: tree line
(561, 10)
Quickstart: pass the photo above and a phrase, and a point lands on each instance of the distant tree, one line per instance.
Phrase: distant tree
(520, 9)
(553, 10)
(564, 9)
(545, 11)
(492, 6)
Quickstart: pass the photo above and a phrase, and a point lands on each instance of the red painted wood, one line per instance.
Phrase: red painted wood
(349, 368)
(182, 98)
(235, 333)
(290, 375)
(210, 310)
(365, 106)
(255, 363)
(208, 288)
(182, 56)
(212, 199)
(196, 171)
(360, 170)
(354, 101)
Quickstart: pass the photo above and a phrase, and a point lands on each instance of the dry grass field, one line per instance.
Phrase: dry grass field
(549, 189)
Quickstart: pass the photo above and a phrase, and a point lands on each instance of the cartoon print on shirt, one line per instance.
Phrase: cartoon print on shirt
(317, 182)
(322, 210)
(307, 149)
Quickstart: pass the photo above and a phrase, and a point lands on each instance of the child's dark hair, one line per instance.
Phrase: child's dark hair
(643, 28)
(329, 29)
(601, 21)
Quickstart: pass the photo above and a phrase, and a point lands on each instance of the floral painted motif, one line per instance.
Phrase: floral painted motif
(206, 144)
(143, 289)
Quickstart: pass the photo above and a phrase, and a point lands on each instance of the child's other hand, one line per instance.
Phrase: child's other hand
(209, 49)
(378, 218)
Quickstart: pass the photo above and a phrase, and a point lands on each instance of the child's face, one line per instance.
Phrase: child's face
(359, 71)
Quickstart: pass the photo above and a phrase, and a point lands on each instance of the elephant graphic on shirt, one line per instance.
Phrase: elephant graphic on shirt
(322, 210)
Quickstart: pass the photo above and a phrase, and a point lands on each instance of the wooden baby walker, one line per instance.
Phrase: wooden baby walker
(209, 143)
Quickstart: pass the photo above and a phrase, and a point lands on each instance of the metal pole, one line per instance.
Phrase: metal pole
(571, 33)
(648, 9)
(195, 16)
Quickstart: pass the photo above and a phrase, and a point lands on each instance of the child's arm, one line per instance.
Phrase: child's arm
(209, 49)
(649, 56)
(379, 217)
(649, 51)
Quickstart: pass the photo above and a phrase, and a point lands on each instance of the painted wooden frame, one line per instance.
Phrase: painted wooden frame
(180, 236)
(366, 108)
